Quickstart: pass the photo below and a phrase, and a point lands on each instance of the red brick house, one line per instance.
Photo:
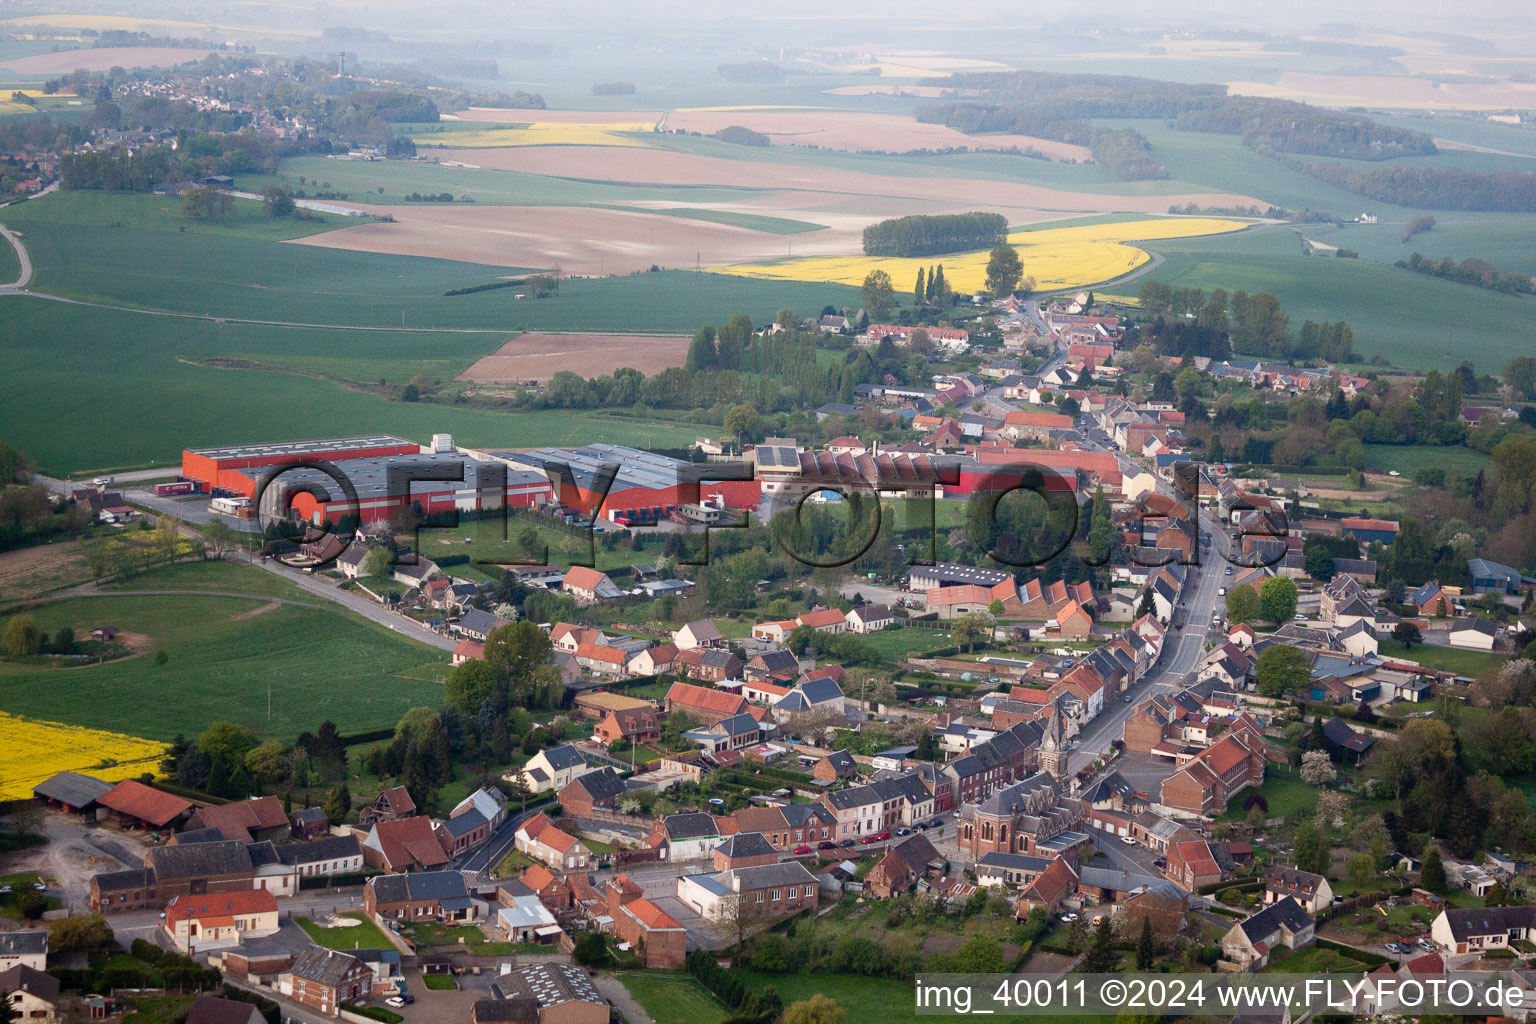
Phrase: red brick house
(1212, 777)
(628, 725)
(701, 703)
(901, 867)
(601, 788)
(655, 933)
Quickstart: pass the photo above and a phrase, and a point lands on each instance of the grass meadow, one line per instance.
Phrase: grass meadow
(673, 997)
(1413, 321)
(87, 388)
(224, 656)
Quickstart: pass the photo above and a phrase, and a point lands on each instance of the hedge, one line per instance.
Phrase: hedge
(337, 880)
(1371, 960)
(1241, 885)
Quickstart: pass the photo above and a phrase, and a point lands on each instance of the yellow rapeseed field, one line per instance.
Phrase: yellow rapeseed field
(543, 133)
(1054, 257)
(33, 751)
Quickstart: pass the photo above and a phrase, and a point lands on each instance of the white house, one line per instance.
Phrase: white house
(553, 769)
(870, 618)
(1473, 634)
(26, 949)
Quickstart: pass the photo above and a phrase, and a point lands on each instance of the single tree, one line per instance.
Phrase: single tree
(1283, 670)
(1146, 948)
(339, 804)
(818, 1009)
(22, 637)
(1432, 871)
(1242, 605)
(879, 296)
(377, 562)
(1317, 768)
(920, 291)
(1407, 634)
(1004, 269)
(1277, 599)
(1102, 956)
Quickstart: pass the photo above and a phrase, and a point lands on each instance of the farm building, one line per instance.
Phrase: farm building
(378, 469)
(646, 487)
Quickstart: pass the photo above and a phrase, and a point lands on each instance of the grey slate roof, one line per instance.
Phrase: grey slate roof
(763, 876)
(1466, 922)
(746, 844)
(324, 966)
(601, 784)
(422, 885)
(690, 825)
(564, 756)
(72, 788)
(200, 859)
(463, 824)
(1285, 913)
(34, 940)
(330, 848)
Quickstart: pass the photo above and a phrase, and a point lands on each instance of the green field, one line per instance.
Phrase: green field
(134, 393)
(1413, 321)
(389, 182)
(229, 576)
(362, 935)
(1445, 659)
(10, 266)
(226, 655)
(1409, 459)
(673, 997)
(895, 644)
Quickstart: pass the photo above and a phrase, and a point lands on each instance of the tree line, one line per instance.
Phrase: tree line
(1471, 271)
(1284, 126)
(935, 234)
(1434, 189)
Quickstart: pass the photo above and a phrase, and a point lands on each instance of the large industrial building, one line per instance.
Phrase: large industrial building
(647, 488)
(377, 469)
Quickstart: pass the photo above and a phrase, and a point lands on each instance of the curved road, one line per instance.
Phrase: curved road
(21, 255)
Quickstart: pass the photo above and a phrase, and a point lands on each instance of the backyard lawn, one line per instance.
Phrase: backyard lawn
(362, 934)
(1284, 791)
(426, 933)
(439, 982)
(1445, 659)
(673, 997)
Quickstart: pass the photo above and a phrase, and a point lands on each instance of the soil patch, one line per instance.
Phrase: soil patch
(538, 357)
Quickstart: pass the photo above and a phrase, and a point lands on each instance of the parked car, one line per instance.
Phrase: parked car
(1128, 841)
(394, 1001)
(1398, 947)
(1069, 917)
(1161, 862)
(5, 890)
(828, 845)
(903, 831)
(802, 849)
(846, 843)
(882, 836)
(869, 839)
(1426, 945)
(934, 823)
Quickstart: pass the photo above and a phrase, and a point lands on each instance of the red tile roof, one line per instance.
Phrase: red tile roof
(825, 617)
(224, 904)
(470, 649)
(650, 916)
(596, 652)
(136, 800)
(408, 841)
(583, 578)
(706, 699)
